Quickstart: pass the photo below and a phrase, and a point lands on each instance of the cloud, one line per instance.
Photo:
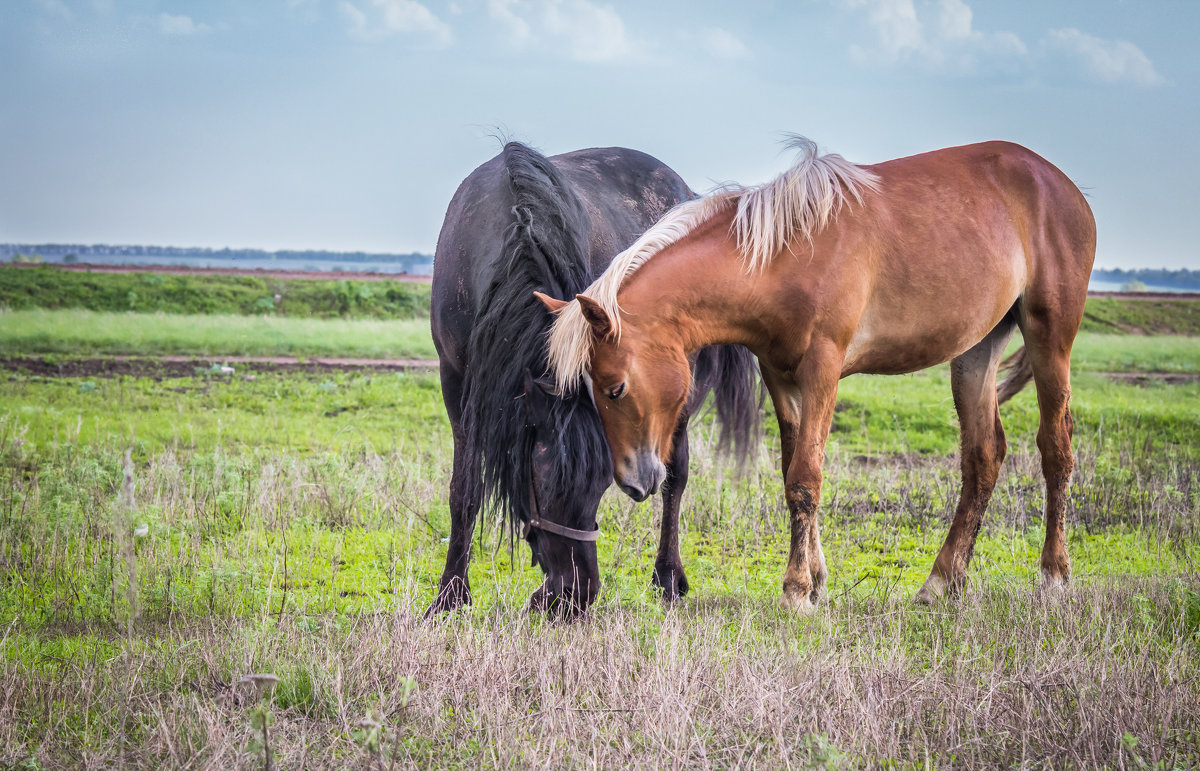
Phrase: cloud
(385, 18)
(56, 8)
(505, 12)
(896, 25)
(181, 26)
(593, 33)
(1108, 61)
(723, 44)
(577, 29)
(938, 36)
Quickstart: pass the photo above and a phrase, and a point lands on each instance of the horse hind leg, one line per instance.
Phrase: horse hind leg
(454, 588)
(973, 381)
(1051, 362)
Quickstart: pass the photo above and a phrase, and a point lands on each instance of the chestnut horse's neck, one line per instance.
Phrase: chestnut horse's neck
(697, 291)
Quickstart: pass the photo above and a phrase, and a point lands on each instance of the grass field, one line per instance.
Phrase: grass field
(92, 333)
(293, 526)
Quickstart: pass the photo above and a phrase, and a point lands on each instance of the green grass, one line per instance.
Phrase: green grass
(52, 288)
(307, 413)
(1095, 352)
(85, 333)
(88, 333)
(295, 524)
(1153, 317)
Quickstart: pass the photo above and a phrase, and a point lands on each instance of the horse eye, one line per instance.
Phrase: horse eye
(617, 391)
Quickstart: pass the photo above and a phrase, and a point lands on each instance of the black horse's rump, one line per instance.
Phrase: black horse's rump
(545, 249)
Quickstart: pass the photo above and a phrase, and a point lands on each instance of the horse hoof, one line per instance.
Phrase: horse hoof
(1053, 585)
(932, 592)
(449, 599)
(799, 603)
(672, 583)
(441, 609)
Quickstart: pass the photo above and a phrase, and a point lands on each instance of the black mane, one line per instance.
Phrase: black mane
(546, 249)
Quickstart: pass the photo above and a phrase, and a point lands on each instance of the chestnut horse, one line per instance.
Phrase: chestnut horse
(834, 269)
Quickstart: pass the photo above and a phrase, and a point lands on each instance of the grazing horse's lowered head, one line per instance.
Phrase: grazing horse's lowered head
(564, 491)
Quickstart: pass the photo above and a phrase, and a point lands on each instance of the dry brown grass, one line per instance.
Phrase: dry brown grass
(1104, 675)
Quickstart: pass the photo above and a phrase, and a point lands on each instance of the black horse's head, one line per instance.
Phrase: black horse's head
(569, 469)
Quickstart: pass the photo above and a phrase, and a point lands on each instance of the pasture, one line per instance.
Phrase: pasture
(230, 570)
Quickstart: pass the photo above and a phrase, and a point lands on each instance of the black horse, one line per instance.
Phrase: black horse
(523, 222)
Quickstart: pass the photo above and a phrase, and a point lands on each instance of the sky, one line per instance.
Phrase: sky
(348, 124)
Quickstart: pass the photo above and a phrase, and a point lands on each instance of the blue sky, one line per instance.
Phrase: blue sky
(347, 124)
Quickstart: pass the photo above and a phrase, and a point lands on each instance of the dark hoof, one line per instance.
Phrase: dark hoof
(671, 581)
(449, 598)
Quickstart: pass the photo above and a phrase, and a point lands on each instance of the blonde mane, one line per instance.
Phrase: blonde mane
(801, 201)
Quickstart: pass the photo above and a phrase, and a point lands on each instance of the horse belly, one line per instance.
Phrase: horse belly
(913, 329)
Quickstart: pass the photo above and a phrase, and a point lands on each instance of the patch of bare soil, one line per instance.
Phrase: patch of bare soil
(1154, 378)
(87, 267)
(161, 367)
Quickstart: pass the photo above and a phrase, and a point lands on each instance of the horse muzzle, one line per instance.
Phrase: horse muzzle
(642, 476)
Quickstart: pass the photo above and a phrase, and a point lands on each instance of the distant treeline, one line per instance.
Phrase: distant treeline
(83, 251)
(1179, 279)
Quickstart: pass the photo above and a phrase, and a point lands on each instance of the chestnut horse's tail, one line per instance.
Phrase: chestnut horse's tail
(730, 372)
(1018, 372)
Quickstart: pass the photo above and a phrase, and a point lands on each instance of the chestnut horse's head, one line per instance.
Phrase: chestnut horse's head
(639, 385)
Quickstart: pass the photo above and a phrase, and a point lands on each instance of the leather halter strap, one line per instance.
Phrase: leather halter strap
(536, 522)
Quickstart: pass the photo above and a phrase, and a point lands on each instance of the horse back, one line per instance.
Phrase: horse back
(953, 240)
(621, 192)
(625, 192)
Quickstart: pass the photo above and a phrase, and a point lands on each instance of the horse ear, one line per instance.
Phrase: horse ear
(544, 384)
(552, 305)
(596, 316)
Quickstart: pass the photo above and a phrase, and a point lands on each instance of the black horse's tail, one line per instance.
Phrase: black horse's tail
(730, 373)
(543, 248)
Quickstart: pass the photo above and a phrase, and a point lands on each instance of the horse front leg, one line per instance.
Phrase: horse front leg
(803, 433)
(668, 566)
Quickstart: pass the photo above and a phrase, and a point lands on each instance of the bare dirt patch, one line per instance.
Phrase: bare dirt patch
(1154, 378)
